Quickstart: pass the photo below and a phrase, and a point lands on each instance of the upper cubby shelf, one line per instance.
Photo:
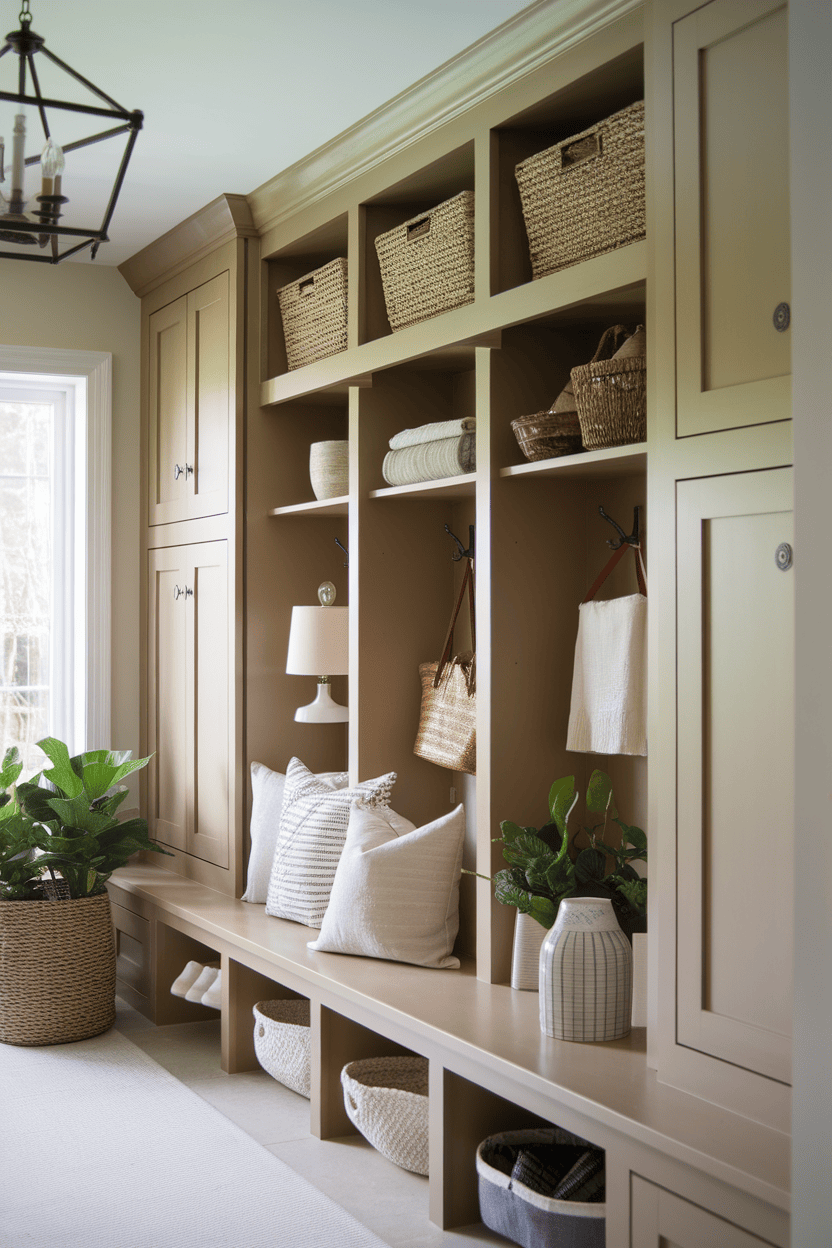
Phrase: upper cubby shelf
(613, 462)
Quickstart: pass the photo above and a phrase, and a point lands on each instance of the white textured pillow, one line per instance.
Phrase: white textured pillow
(396, 890)
(266, 804)
(313, 827)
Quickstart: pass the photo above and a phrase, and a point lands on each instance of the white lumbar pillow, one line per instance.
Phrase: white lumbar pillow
(267, 803)
(396, 890)
(313, 827)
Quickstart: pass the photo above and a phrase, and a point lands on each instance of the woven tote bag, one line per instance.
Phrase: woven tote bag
(447, 733)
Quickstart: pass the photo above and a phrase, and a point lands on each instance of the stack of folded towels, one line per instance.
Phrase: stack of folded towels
(446, 448)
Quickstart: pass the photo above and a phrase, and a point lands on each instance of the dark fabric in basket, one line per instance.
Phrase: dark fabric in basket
(508, 1214)
(542, 1167)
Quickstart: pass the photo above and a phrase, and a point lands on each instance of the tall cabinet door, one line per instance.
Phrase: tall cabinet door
(167, 412)
(735, 769)
(661, 1219)
(189, 729)
(731, 160)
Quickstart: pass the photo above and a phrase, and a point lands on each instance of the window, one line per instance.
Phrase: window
(54, 553)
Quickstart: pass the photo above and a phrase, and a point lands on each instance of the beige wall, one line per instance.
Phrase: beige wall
(84, 307)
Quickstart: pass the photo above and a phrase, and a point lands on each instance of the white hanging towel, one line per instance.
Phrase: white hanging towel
(609, 682)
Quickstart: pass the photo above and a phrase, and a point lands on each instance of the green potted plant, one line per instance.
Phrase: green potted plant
(59, 843)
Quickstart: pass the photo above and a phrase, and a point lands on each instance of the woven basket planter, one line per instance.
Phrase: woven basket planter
(611, 396)
(57, 970)
(546, 435)
(314, 314)
(329, 469)
(386, 1098)
(522, 1214)
(427, 264)
(283, 1042)
(585, 196)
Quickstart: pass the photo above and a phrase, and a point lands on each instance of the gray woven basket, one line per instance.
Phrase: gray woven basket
(283, 1042)
(427, 264)
(314, 314)
(585, 196)
(57, 970)
(386, 1099)
(612, 401)
(546, 435)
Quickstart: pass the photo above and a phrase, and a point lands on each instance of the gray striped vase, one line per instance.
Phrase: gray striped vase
(586, 973)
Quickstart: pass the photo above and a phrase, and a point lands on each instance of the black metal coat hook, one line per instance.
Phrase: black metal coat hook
(633, 538)
(462, 553)
(346, 552)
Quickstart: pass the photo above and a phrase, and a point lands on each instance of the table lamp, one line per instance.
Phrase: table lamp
(319, 643)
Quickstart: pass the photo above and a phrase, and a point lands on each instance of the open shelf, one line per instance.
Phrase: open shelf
(326, 507)
(611, 462)
(445, 487)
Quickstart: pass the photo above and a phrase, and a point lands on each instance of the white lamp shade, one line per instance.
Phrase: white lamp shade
(319, 642)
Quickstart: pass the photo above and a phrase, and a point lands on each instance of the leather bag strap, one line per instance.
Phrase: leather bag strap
(613, 562)
(447, 649)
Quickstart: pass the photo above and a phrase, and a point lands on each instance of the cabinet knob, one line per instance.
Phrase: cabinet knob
(189, 468)
(782, 317)
(177, 471)
(784, 556)
(177, 593)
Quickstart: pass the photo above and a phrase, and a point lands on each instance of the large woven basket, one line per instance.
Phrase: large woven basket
(57, 970)
(386, 1098)
(585, 196)
(427, 264)
(283, 1042)
(546, 435)
(612, 401)
(314, 314)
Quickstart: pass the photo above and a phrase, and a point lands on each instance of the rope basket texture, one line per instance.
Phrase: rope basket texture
(547, 435)
(314, 314)
(427, 264)
(57, 970)
(612, 401)
(283, 1042)
(386, 1098)
(329, 469)
(585, 196)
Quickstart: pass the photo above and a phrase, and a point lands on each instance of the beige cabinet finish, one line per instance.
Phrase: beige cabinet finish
(660, 1219)
(189, 405)
(732, 214)
(188, 721)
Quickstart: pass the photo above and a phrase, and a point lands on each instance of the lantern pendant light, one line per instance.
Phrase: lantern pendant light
(30, 223)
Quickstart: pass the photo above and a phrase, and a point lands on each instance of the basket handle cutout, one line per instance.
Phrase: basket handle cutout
(353, 1103)
(572, 154)
(418, 229)
(307, 287)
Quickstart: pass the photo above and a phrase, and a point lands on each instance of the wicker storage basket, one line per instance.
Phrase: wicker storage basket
(314, 314)
(386, 1098)
(546, 435)
(57, 970)
(585, 196)
(522, 1214)
(612, 401)
(329, 469)
(283, 1042)
(427, 264)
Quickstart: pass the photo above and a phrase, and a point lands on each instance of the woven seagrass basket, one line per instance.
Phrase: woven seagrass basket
(329, 469)
(386, 1098)
(585, 196)
(314, 314)
(283, 1042)
(427, 264)
(612, 401)
(57, 970)
(547, 435)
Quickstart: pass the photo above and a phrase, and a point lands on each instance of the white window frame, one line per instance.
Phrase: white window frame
(95, 369)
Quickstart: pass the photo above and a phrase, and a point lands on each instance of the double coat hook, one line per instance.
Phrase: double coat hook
(633, 539)
(461, 552)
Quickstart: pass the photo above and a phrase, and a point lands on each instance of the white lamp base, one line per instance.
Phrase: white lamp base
(323, 710)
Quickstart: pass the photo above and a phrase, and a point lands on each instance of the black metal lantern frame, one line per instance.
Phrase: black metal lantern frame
(26, 45)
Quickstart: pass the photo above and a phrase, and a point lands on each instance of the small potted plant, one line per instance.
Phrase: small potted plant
(59, 843)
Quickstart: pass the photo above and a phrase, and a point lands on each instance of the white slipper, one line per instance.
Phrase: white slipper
(213, 997)
(200, 986)
(187, 979)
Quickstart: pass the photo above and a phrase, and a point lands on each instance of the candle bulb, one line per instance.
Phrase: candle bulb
(52, 165)
(18, 155)
(2, 159)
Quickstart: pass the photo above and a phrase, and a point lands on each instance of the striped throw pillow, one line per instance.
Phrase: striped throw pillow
(313, 827)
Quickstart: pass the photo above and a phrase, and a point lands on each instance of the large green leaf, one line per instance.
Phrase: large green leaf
(99, 777)
(75, 813)
(590, 865)
(562, 799)
(508, 894)
(526, 848)
(61, 773)
(11, 767)
(35, 800)
(599, 794)
(635, 837)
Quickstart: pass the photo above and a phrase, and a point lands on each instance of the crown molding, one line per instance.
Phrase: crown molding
(509, 53)
(225, 218)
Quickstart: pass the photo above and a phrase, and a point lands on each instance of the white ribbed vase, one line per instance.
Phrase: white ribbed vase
(586, 973)
(525, 953)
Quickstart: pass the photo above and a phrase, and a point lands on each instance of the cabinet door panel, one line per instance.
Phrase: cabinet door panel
(209, 398)
(732, 215)
(660, 1219)
(208, 724)
(167, 408)
(735, 765)
(167, 711)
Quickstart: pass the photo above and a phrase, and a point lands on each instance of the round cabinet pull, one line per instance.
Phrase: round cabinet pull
(189, 593)
(784, 556)
(189, 469)
(177, 471)
(782, 317)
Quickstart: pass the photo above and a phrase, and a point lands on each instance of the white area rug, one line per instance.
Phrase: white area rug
(100, 1146)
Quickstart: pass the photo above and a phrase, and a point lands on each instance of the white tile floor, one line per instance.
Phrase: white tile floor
(388, 1200)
